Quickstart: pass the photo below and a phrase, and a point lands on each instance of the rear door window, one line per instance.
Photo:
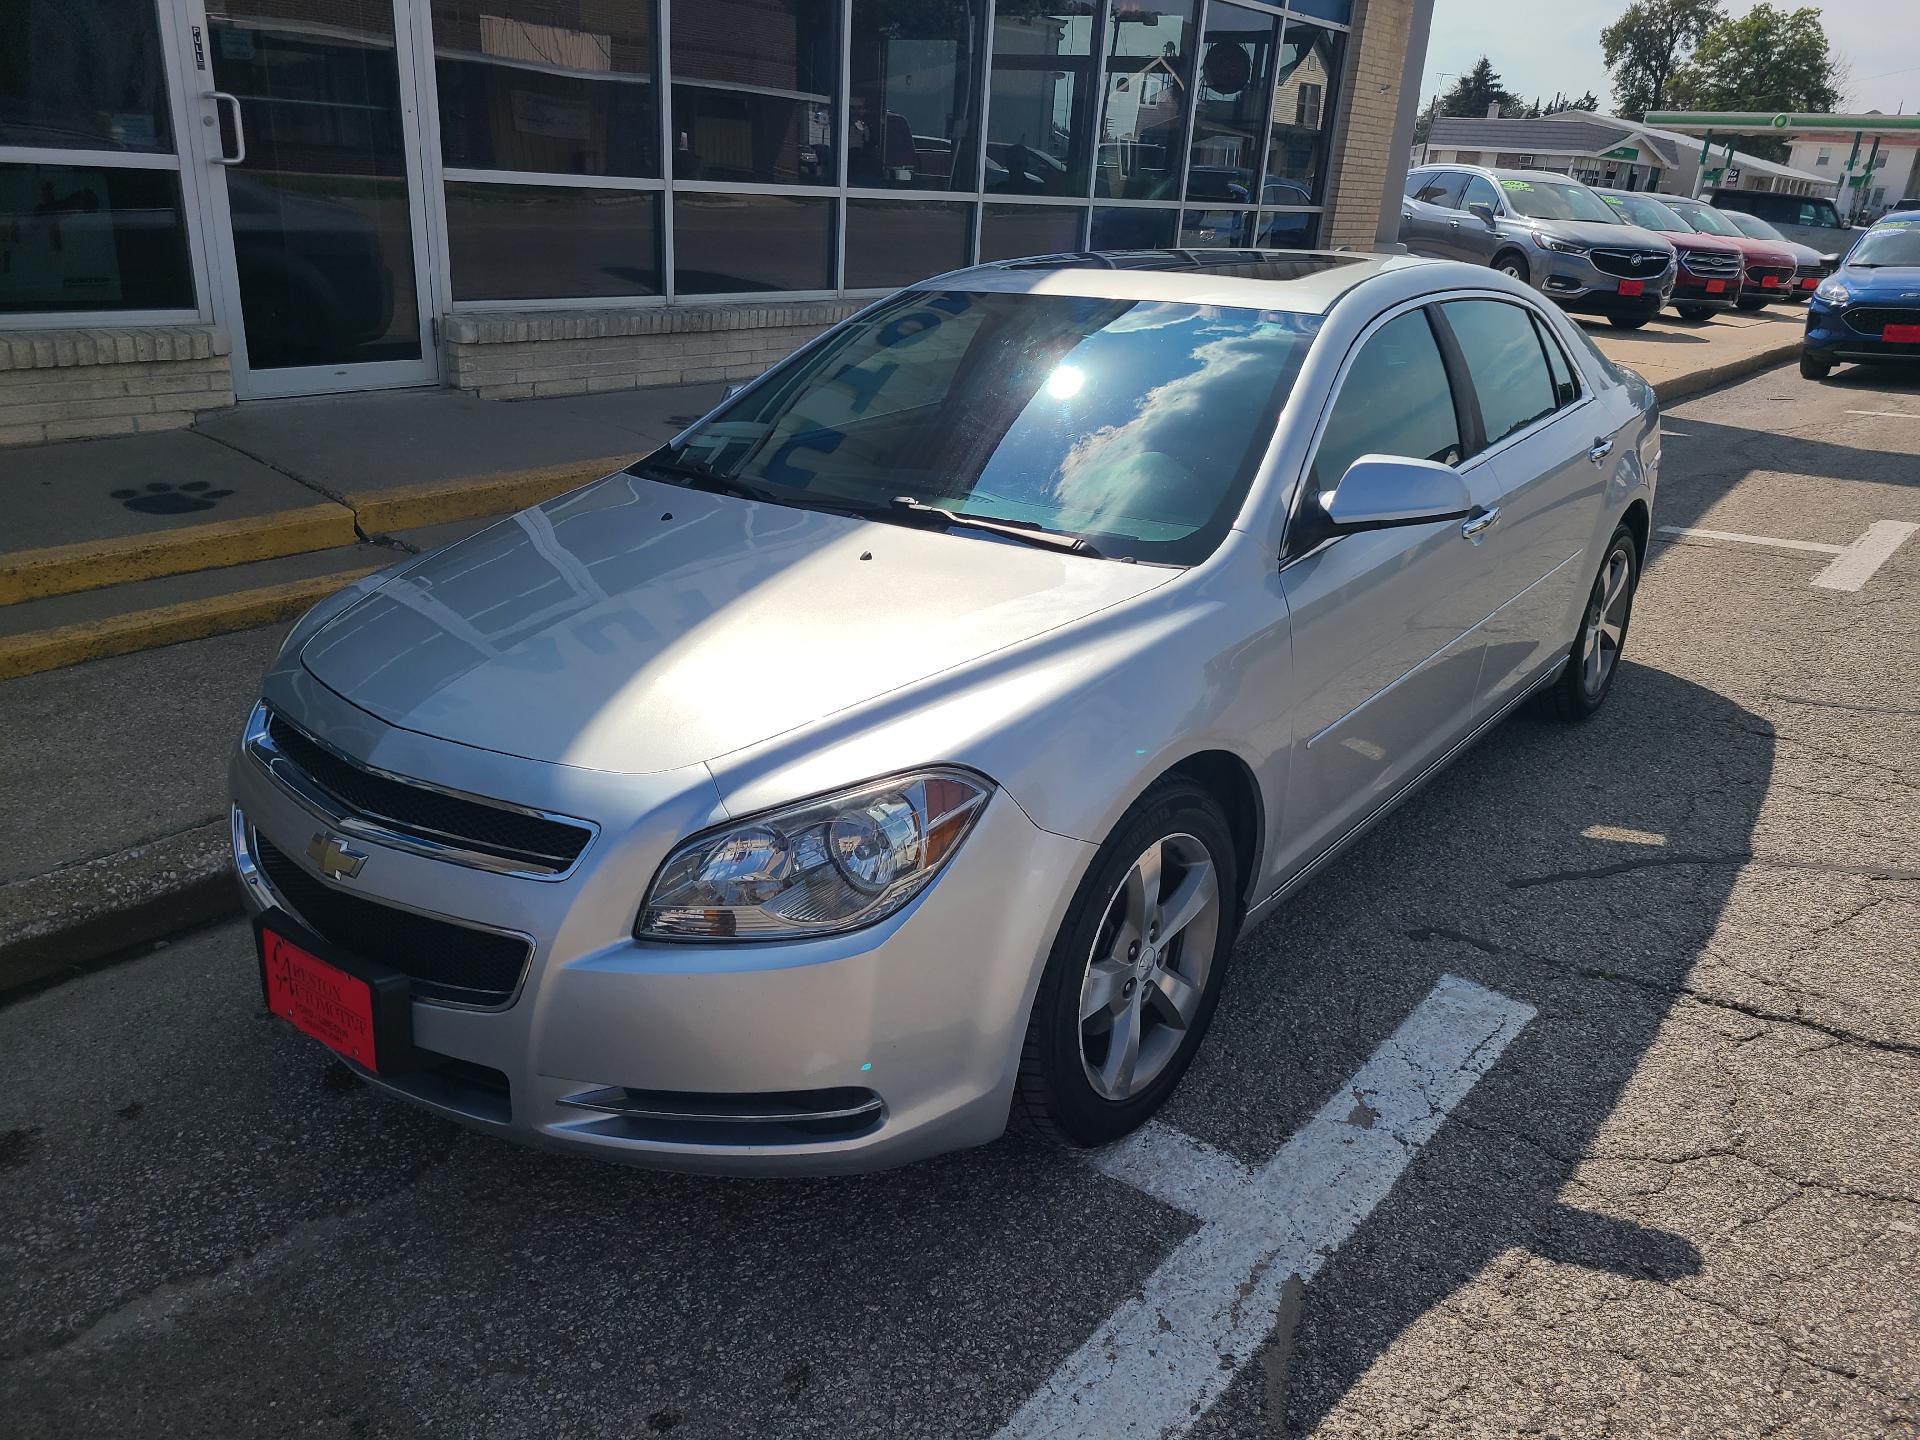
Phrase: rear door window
(1508, 368)
(1441, 188)
(1395, 400)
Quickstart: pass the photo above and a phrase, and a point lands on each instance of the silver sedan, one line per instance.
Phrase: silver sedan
(902, 748)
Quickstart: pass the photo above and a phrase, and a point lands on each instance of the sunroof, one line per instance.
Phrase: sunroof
(1242, 264)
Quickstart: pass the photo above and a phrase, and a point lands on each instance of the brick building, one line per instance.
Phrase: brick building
(209, 199)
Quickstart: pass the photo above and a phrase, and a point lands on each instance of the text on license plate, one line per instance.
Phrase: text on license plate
(332, 1006)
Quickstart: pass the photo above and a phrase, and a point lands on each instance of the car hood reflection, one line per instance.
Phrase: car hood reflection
(636, 626)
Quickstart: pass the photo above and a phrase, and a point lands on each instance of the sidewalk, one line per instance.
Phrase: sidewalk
(112, 777)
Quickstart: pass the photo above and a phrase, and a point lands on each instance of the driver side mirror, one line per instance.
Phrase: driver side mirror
(1482, 212)
(1384, 492)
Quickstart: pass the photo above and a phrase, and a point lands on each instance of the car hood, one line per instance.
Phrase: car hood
(1601, 233)
(1694, 240)
(1893, 282)
(635, 626)
(1764, 252)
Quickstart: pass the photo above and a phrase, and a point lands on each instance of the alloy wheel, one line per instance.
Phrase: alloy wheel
(1148, 967)
(1606, 626)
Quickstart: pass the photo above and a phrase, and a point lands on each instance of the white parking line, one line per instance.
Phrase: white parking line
(1886, 414)
(1853, 565)
(1159, 1361)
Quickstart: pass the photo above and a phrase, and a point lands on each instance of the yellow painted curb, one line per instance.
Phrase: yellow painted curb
(91, 564)
(381, 512)
(39, 650)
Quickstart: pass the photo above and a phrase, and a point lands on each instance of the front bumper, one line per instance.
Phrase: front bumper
(1829, 335)
(722, 1058)
(1577, 284)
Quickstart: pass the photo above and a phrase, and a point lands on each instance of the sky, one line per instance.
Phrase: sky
(1879, 39)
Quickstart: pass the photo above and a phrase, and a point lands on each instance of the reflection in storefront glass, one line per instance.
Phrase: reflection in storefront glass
(85, 74)
(1039, 120)
(560, 86)
(1234, 83)
(1149, 77)
(915, 92)
(79, 238)
(896, 242)
(753, 88)
(538, 242)
(733, 244)
(1302, 112)
(1008, 232)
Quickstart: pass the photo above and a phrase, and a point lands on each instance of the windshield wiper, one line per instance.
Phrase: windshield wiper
(933, 517)
(694, 475)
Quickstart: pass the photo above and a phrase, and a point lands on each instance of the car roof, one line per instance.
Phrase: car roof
(1547, 176)
(1301, 281)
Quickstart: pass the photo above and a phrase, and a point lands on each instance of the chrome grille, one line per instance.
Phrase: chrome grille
(412, 815)
(1782, 274)
(1631, 264)
(1873, 319)
(1713, 266)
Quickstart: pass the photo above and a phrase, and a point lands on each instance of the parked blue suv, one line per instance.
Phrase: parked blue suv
(1868, 309)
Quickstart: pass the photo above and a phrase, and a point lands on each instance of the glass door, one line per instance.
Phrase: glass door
(309, 134)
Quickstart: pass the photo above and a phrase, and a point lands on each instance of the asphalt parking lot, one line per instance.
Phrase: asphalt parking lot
(1669, 1187)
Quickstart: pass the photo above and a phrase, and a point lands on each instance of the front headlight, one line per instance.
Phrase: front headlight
(817, 868)
(1831, 291)
(1558, 246)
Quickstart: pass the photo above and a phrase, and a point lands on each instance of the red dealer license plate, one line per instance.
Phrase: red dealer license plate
(354, 1009)
(1810, 282)
(1769, 282)
(1714, 287)
(1901, 334)
(1631, 288)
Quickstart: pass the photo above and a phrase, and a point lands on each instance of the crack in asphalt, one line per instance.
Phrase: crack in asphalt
(1730, 857)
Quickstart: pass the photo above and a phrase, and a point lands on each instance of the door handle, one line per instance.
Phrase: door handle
(220, 97)
(1601, 449)
(1478, 524)
(1453, 224)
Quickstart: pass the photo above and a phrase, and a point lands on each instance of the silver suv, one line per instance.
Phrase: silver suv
(1551, 232)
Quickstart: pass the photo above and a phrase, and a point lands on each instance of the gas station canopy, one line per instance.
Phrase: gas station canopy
(1759, 122)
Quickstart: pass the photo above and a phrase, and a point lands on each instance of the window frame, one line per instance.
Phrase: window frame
(1462, 375)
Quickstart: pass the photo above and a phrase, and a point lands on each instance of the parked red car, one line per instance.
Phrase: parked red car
(1712, 271)
(1770, 267)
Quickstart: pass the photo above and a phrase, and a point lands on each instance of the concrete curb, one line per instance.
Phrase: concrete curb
(94, 564)
(1692, 382)
(64, 645)
(74, 919)
(473, 497)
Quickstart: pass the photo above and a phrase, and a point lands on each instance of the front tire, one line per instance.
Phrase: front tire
(1135, 972)
(1814, 367)
(1695, 312)
(1628, 322)
(1746, 303)
(1512, 266)
(1588, 675)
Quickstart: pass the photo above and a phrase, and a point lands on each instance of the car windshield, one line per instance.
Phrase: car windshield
(1752, 226)
(1702, 216)
(1547, 200)
(1887, 245)
(1646, 213)
(1135, 425)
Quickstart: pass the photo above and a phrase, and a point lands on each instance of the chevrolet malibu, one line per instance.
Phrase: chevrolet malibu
(900, 750)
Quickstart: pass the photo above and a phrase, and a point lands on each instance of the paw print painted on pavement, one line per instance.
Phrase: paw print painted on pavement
(160, 498)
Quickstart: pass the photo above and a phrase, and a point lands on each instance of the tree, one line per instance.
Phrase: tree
(1560, 101)
(1769, 59)
(1646, 45)
(1476, 90)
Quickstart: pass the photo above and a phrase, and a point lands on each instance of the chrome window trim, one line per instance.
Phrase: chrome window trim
(416, 840)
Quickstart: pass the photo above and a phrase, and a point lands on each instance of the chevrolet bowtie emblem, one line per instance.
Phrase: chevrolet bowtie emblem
(334, 857)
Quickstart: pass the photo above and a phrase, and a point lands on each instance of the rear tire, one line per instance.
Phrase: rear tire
(1628, 322)
(1814, 367)
(1585, 680)
(1146, 947)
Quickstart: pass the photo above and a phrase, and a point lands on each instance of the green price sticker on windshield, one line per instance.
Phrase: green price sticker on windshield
(1615, 201)
(1515, 185)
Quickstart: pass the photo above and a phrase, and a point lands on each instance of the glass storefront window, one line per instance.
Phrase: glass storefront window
(728, 244)
(1039, 116)
(1286, 231)
(915, 92)
(1213, 229)
(753, 91)
(1131, 227)
(1008, 232)
(896, 242)
(551, 242)
(1149, 80)
(1338, 11)
(77, 237)
(556, 86)
(1303, 94)
(83, 74)
(1231, 112)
